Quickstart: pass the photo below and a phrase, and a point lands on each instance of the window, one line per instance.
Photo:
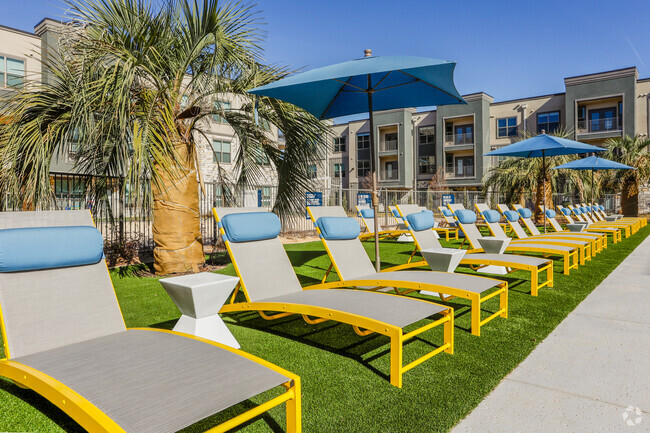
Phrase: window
(266, 196)
(339, 170)
(548, 122)
(465, 166)
(582, 113)
(363, 168)
(603, 119)
(75, 141)
(218, 106)
(221, 151)
(426, 135)
(339, 144)
(12, 72)
(507, 127)
(449, 163)
(363, 141)
(312, 171)
(464, 134)
(427, 165)
(391, 170)
(620, 115)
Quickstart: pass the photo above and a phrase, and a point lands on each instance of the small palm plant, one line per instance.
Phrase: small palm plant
(632, 151)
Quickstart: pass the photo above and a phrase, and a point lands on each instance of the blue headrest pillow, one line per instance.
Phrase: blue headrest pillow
(446, 212)
(421, 221)
(338, 228)
(465, 216)
(511, 215)
(602, 207)
(583, 209)
(491, 216)
(577, 211)
(35, 248)
(251, 226)
(525, 212)
(566, 211)
(367, 213)
(550, 213)
(396, 214)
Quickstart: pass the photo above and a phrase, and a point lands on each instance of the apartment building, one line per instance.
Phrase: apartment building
(415, 145)
(22, 55)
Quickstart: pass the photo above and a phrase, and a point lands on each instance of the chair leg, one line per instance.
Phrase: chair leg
(534, 277)
(294, 409)
(476, 315)
(396, 348)
(549, 275)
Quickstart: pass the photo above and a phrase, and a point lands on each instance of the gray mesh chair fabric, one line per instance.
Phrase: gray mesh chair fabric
(268, 276)
(50, 308)
(352, 263)
(150, 381)
(67, 324)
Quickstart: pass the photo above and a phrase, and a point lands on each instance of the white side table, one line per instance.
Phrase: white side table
(576, 227)
(200, 297)
(494, 245)
(442, 260)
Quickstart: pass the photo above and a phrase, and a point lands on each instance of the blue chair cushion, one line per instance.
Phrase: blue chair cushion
(583, 209)
(34, 248)
(446, 212)
(566, 211)
(511, 215)
(338, 228)
(525, 212)
(550, 213)
(465, 216)
(601, 207)
(491, 216)
(396, 214)
(421, 221)
(251, 226)
(367, 213)
(577, 211)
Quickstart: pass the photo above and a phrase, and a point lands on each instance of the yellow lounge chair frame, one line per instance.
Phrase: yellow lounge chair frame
(557, 228)
(567, 256)
(616, 232)
(600, 216)
(476, 263)
(627, 227)
(362, 326)
(409, 287)
(383, 234)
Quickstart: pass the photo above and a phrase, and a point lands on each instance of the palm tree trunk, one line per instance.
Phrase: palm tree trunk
(630, 197)
(540, 193)
(176, 218)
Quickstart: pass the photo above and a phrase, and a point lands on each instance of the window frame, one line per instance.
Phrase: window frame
(341, 146)
(363, 171)
(508, 130)
(217, 157)
(216, 117)
(367, 142)
(4, 72)
(547, 129)
(340, 173)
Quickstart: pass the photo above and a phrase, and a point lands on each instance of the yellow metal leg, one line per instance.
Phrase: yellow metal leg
(294, 409)
(396, 360)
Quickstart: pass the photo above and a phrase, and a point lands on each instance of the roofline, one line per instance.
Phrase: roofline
(529, 98)
(50, 19)
(602, 72)
(24, 32)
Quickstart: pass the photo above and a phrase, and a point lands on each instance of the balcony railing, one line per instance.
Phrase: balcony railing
(459, 139)
(389, 146)
(601, 125)
(459, 172)
(388, 175)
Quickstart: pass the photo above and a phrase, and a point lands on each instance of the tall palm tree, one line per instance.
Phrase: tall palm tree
(134, 84)
(517, 177)
(632, 151)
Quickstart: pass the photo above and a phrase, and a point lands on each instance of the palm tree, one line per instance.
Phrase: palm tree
(134, 84)
(518, 177)
(632, 151)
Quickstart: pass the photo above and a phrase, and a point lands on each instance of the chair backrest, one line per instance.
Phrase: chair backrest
(420, 224)
(259, 258)
(448, 215)
(550, 217)
(455, 206)
(466, 219)
(513, 221)
(566, 212)
(526, 215)
(367, 215)
(348, 255)
(55, 289)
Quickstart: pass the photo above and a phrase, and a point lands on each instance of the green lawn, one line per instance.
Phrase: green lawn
(344, 377)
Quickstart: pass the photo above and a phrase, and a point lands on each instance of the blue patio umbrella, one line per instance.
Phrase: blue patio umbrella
(544, 145)
(365, 85)
(594, 163)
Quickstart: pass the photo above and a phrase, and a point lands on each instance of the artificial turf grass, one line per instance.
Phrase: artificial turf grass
(344, 377)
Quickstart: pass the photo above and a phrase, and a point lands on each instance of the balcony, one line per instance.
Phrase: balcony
(600, 125)
(388, 175)
(389, 146)
(463, 139)
(459, 172)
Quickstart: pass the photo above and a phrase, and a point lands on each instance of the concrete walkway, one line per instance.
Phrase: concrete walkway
(591, 374)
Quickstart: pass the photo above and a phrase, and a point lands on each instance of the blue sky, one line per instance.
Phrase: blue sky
(509, 49)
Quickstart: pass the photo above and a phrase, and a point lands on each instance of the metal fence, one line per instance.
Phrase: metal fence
(127, 228)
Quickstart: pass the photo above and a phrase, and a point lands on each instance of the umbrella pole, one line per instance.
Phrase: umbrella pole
(544, 187)
(592, 193)
(373, 169)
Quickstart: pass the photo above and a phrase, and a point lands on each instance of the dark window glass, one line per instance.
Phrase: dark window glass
(427, 165)
(548, 122)
(507, 127)
(339, 144)
(363, 141)
(363, 168)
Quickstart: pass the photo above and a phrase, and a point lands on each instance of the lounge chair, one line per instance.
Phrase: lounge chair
(352, 265)
(616, 232)
(65, 338)
(367, 215)
(452, 225)
(582, 217)
(467, 218)
(269, 283)
(480, 223)
(555, 225)
(526, 214)
(599, 213)
(418, 223)
(513, 218)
